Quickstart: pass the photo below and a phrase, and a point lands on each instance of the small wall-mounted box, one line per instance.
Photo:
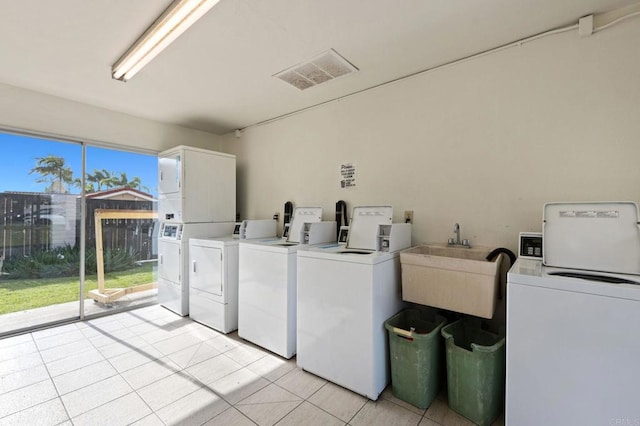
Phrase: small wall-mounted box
(394, 237)
(530, 245)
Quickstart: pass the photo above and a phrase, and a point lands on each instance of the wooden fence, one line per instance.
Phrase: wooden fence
(33, 222)
(137, 235)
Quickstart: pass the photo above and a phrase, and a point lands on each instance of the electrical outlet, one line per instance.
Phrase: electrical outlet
(408, 216)
(276, 216)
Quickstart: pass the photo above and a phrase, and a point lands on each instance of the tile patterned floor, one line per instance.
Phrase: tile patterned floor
(152, 367)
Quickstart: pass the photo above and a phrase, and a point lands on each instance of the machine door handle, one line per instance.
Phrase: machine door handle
(194, 266)
(161, 259)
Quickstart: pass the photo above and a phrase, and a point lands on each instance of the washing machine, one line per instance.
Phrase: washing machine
(572, 346)
(573, 318)
(267, 282)
(213, 274)
(345, 294)
(173, 259)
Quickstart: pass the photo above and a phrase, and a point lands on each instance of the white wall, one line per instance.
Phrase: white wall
(484, 143)
(22, 109)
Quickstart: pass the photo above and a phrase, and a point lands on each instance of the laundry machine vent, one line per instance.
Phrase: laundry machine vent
(327, 66)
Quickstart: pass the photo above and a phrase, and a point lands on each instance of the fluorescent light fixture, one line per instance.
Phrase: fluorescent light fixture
(175, 20)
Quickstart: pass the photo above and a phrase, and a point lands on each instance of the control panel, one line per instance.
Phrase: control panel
(530, 245)
(171, 231)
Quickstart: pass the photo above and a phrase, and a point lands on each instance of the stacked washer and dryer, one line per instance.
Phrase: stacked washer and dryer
(196, 199)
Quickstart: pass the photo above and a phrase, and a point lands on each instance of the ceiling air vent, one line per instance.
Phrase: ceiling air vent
(324, 67)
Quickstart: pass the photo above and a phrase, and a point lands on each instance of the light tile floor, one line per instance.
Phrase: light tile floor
(152, 367)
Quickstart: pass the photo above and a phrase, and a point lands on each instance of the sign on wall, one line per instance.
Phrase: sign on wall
(348, 176)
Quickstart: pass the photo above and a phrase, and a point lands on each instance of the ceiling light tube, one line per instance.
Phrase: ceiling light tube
(175, 20)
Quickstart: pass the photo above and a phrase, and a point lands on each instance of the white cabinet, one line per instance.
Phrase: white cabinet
(196, 185)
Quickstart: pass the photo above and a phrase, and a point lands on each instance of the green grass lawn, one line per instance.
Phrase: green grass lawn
(18, 295)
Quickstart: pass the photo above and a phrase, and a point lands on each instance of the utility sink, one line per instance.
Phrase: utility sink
(455, 278)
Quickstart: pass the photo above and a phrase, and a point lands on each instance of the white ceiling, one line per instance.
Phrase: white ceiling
(217, 76)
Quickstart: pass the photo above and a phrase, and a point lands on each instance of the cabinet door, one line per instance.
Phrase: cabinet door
(169, 173)
(208, 187)
(169, 260)
(206, 269)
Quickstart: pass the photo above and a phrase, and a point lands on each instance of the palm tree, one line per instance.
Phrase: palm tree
(107, 179)
(135, 182)
(53, 170)
(123, 181)
(77, 182)
(92, 181)
(98, 179)
(110, 180)
(104, 178)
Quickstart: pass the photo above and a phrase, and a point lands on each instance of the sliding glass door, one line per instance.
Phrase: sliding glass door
(68, 229)
(121, 229)
(40, 203)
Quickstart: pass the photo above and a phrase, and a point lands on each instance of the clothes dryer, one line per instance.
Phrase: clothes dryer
(345, 294)
(213, 282)
(213, 275)
(173, 259)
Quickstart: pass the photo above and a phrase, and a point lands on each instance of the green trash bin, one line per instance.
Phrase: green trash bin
(415, 349)
(475, 370)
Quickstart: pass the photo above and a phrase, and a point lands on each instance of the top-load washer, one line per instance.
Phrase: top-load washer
(345, 294)
(572, 354)
(267, 282)
(572, 346)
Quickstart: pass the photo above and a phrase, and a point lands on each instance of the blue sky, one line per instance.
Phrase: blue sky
(18, 156)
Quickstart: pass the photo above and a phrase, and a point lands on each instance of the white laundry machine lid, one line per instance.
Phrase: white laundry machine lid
(365, 224)
(597, 236)
(302, 215)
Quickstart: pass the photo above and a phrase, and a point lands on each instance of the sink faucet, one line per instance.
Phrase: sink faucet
(457, 242)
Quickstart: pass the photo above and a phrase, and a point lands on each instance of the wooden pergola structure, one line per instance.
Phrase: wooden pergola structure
(108, 295)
